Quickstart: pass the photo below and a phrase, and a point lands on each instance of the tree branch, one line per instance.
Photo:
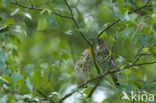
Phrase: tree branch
(131, 11)
(140, 64)
(94, 60)
(100, 76)
(108, 27)
(44, 95)
(84, 37)
(40, 9)
(137, 54)
(67, 95)
(94, 88)
(82, 34)
(146, 5)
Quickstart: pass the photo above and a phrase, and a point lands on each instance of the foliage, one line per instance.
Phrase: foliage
(40, 40)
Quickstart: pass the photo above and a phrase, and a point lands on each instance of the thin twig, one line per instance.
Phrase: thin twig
(138, 52)
(94, 60)
(84, 37)
(108, 27)
(131, 11)
(67, 95)
(94, 88)
(114, 41)
(148, 2)
(82, 34)
(133, 65)
(100, 76)
(45, 96)
(40, 9)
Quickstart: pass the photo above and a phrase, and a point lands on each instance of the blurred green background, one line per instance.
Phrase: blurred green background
(38, 49)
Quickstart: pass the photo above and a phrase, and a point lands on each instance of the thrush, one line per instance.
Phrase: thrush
(105, 59)
(82, 68)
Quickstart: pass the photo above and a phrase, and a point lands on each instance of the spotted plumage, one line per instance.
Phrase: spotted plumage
(82, 68)
(104, 59)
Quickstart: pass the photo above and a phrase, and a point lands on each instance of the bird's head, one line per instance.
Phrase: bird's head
(86, 54)
(99, 41)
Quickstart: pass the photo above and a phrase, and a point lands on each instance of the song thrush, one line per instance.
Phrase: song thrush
(105, 60)
(82, 68)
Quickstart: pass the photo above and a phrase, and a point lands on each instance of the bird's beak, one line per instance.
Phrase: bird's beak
(95, 40)
(88, 51)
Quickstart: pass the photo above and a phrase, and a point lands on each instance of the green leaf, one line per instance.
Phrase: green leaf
(144, 39)
(43, 11)
(128, 31)
(103, 35)
(55, 54)
(69, 32)
(9, 22)
(3, 69)
(14, 38)
(28, 15)
(132, 16)
(3, 56)
(16, 76)
(29, 85)
(20, 30)
(3, 99)
(42, 24)
(5, 2)
(52, 23)
(153, 51)
(145, 50)
(28, 68)
(49, 11)
(84, 30)
(3, 81)
(117, 12)
(65, 56)
(87, 91)
(44, 65)
(132, 77)
(3, 28)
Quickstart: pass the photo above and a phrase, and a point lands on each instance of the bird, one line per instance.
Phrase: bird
(105, 60)
(82, 68)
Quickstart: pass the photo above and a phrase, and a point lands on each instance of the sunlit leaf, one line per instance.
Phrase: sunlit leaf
(28, 15)
(145, 50)
(69, 32)
(14, 12)
(29, 85)
(3, 99)
(19, 29)
(42, 11)
(103, 35)
(87, 91)
(44, 65)
(9, 21)
(16, 76)
(3, 56)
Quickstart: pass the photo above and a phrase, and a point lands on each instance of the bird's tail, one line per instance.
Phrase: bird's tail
(115, 80)
(114, 76)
